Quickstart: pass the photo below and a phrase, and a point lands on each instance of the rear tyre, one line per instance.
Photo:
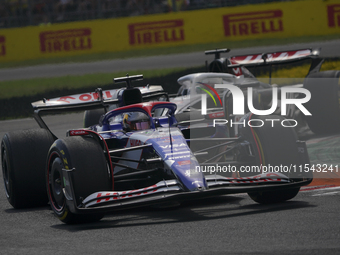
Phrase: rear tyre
(23, 155)
(274, 146)
(324, 103)
(91, 174)
(91, 117)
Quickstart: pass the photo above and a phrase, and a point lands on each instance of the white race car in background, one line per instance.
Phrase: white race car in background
(323, 87)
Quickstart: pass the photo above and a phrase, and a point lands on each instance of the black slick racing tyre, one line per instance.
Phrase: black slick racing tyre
(91, 117)
(274, 197)
(90, 174)
(23, 159)
(272, 146)
(324, 103)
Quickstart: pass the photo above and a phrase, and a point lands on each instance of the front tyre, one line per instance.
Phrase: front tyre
(90, 174)
(273, 146)
(324, 103)
(274, 197)
(55, 191)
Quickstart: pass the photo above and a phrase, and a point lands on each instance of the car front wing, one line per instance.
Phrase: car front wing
(173, 191)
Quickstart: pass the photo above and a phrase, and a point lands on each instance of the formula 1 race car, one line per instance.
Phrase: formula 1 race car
(323, 87)
(313, 103)
(140, 155)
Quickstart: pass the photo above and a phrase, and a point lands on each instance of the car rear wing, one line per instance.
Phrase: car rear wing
(281, 57)
(99, 99)
(96, 99)
(81, 101)
(237, 63)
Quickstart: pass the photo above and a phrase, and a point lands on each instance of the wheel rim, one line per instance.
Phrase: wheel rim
(5, 172)
(55, 184)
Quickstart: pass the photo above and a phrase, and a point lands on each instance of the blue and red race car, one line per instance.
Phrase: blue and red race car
(140, 155)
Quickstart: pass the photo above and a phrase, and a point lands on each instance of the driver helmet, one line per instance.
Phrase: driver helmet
(135, 121)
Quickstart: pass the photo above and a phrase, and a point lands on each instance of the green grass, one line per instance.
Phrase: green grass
(19, 88)
(171, 50)
(295, 75)
(300, 71)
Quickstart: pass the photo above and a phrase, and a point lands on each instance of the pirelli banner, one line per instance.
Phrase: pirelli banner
(274, 20)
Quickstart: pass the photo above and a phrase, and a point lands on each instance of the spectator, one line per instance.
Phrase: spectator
(4, 14)
(61, 8)
(45, 21)
(19, 9)
(180, 5)
(112, 8)
(83, 8)
(135, 7)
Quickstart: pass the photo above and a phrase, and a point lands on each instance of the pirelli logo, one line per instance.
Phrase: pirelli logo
(333, 12)
(156, 32)
(65, 40)
(2, 46)
(252, 23)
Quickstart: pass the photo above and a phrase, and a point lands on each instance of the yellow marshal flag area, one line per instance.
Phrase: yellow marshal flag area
(274, 20)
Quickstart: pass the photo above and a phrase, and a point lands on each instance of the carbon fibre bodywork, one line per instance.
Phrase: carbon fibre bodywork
(158, 165)
(125, 161)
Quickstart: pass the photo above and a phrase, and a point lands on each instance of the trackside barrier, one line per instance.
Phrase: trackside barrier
(273, 20)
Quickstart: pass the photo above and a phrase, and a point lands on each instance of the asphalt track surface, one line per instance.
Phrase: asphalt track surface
(234, 224)
(308, 224)
(329, 49)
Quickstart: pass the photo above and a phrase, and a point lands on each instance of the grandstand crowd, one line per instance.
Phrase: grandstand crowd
(17, 13)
